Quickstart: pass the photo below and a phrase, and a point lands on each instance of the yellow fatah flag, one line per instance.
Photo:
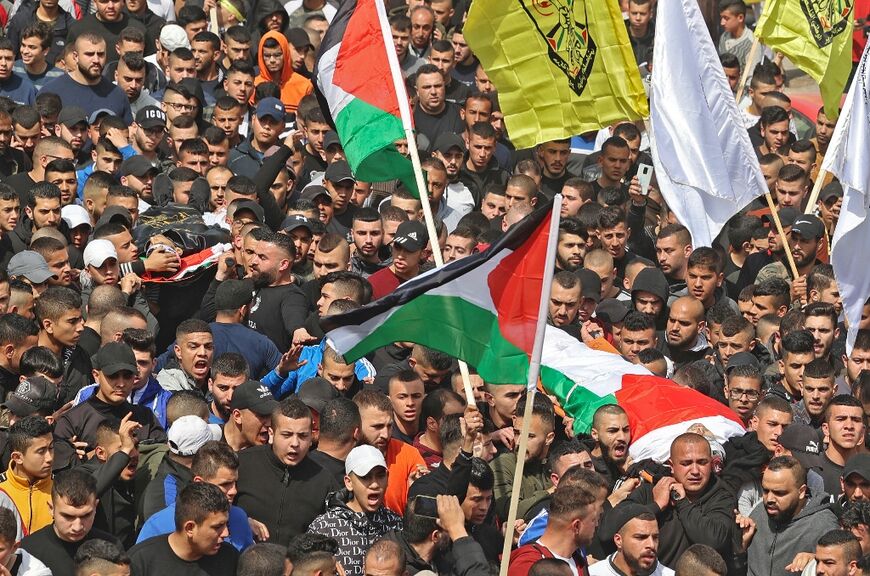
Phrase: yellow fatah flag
(561, 67)
(816, 35)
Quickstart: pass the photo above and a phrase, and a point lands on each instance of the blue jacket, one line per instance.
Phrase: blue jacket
(163, 522)
(283, 386)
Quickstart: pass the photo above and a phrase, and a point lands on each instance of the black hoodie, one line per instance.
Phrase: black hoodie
(653, 280)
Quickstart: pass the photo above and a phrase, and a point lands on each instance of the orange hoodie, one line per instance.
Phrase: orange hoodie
(293, 86)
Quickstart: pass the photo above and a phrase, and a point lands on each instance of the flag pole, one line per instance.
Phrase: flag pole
(745, 76)
(817, 188)
(405, 113)
(532, 381)
(776, 221)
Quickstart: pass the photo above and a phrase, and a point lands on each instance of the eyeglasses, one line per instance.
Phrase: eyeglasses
(737, 393)
(179, 107)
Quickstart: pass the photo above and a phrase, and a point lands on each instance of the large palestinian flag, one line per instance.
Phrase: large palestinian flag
(483, 309)
(355, 89)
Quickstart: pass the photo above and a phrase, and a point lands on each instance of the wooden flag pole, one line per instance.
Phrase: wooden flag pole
(782, 235)
(405, 113)
(745, 76)
(817, 189)
(532, 383)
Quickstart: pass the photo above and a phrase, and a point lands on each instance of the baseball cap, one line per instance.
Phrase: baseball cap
(363, 459)
(31, 265)
(32, 395)
(189, 433)
(137, 166)
(742, 359)
(69, 116)
(97, 114)
(115, 214)
(295, 221)
(271, 107)
(831, 191)
(808, 226)
(314, 191)
(411, 236)
(590, 283)
(98, 251)
(858, 464)
(254, 396)
(253, 207)
(173, 37)
(151, 117)
(339, 172)
(773, 270)
(330, 139)
(448, 140)
(75, 215)
(298, 37)
(233, 294)
(114, 357)
(787, 216)
(804, 444)
(316, 392)
(611, 310)
(619, 516)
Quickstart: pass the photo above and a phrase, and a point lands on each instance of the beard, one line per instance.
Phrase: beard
(86, 72)
(636, 567)
(263, 278)
(609, 458)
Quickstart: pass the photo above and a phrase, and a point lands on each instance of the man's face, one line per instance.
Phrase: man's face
(614, 162)
(769, 425)
(10, 211)
(564, 304)
(228, 120)
(444, 61)
(37, 458)
(431, 92)
(775, 135)
(639, 16)
(67, 183)
(406, 263)
(368, 491)
(407, 399)
(267, 263)
(781, 495)
(401, 39)
(503, 400)
(803, 159)
(613, 435)
(759, 93)
(222, 387)
(540, 438)
(514, 195)
(203, 56)
(31, 51)
(302, 242)
(476, 505)
(790, 193)
(844, 426)
(692, 464)
(326, 262)
(648, 303)
(683, 326)
(457, 248)
(763, 305)
(109, 10)
(824, 130)
(58, 263)
(237, 50)
(239, 86)
(832, 561)
(672, 256)
(315, 132)
(482, 81)
(368, 237)
(632, 342)
(571, 202)
(116, 388)
(613, 240)
(72, 523)
(743, 395)
(106, 273)
(207, 537)
(274, 60)
(817, 392)
(856, 362)
(824, 333)
(480, 151)
(856, 488)
(124, 246)
(27, 138)
(266, 130)
(194, 352)
(67, 328)
(91, 56)
(702, 283)
(570, 251)
(733, 76)
(340, 193)
(130, 81)
(291, 439)
(340, 375)
(422, 24)
(553, 157)
(218, 154)
(792, 368)
(493, 205)
(377, 425)
(253, 426)
(728, 346)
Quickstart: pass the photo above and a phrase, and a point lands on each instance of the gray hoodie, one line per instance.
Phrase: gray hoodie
(774, 547)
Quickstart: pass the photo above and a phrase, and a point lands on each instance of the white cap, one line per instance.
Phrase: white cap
(173, 37)
(75, 215)
(97, 251)
(362, 459)
(189, 433)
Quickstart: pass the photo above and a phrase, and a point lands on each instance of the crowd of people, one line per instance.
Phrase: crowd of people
(177, 214)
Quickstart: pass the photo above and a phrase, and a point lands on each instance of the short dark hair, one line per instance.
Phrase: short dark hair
(636, 321)
(291, 407)
(15, 329)
(776, 287)
(26, 430)
(773, 115)
(96, 555)
(230, 364)
(55, 301)
(844, 539)
(790, 463)
(798, 342)
(197, 501)
(262, 559)
(707, 258)
(482, 476)
(40, 360)
(75, 486)
(338, 420)
(211, 457)
(700, 557)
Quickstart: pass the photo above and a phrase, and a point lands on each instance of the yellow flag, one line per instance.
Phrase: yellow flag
(816, 35)
(561, 67)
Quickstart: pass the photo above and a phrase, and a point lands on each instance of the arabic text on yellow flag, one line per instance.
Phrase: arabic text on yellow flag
(816, 35)
(561, 67)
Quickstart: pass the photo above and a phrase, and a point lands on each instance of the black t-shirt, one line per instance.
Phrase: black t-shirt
(831, 473)
(57, 554)
(552, 186)
(432, 125)
(154, 557)
(278, 311)
(342, 223)
(329, 463)
(310, 163)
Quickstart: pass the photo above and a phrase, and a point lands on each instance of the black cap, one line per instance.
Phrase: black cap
(808, 226)
(254, 396)
(114, 357)
(195, 88)
(590, 284)
(32, 395)
(295, 221)
(611, 310)
(330, 139)
(233, 294)
(151, 117)
(253, 207)
(804, 444)
(315, 191)
(742, 359)
(338, 172)
(447, 140)
(831, 191)
(787, 216)
(858, 464)
(299, 38)
(137, 166)
(316, 392)
(622, 514)
(69, 116)
(411, 236)
(115, 214)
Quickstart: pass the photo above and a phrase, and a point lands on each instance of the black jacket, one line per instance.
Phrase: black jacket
(284, 498)
(116, 512)
(172, 477)
(82, 421)
(465, 558)
(77, 373)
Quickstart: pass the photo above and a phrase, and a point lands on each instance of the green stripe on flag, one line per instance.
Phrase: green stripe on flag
(368, 135)
(463, 331)
(577, 400)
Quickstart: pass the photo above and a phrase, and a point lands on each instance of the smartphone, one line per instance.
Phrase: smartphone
(426, 506)
(644, 175)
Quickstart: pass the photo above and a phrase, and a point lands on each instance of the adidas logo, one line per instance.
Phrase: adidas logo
(263, 390)
(413, 235)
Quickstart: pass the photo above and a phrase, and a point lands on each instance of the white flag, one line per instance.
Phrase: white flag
(847, 159)
(706, 167)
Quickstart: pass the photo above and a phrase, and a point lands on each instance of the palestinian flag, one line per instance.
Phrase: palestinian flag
(356, 92)
(483, 309)
(191, 265)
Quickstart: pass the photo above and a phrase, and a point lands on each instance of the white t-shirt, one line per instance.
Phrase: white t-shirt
(570, 562)
(606, 568)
